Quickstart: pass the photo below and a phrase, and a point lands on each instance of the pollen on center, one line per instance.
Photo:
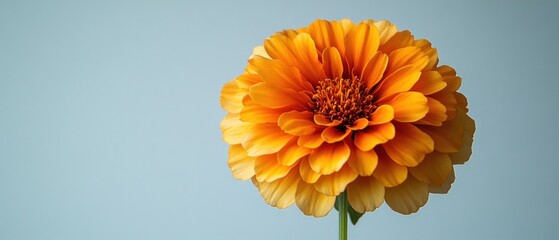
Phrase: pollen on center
(345, 100)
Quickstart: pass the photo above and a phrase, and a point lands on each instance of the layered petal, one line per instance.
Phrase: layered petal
(383, 114)
(374, 135)
(449, 137)
(278, 73)
(407, 197)
(271, 96)
(333, 66)
(409, 106)
(335, 183)
(297, 123)
(406, 56)
(386, 30)
(234, 130)
(327, 34)
(365, 194)
(388, 172)
(362, 162)
(359, 124)
(231, 97)
(311, 141)
(264, 138)
(281, 192)
(399, 81)
(443, 189)
(409, 146)
(436, 114)
(268, 169)
(307, 173)
(429, 82)
(256, 113)
(397, 41)
(291, 153)
(241, 165)
(329, 157)
(335, 134)
(374, 69)
(434, 169)
(361, 44)
(465, 151)
(311, 202)
(300, 52)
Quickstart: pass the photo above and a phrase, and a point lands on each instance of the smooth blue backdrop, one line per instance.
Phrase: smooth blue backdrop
(109, 119)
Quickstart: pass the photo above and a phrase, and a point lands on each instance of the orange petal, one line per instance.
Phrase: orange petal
(399, 81)
(386, 30)
(363, 162)
(434, 169)
(271, 96)
(407, 197)
(259, 51)
(347, 25)
(374, 69)
(371, 136)
(241, 165)
(335, 183)
(256, 113)
(291, 153)
(410, 55)
(365, 194)
(329, 158)
(449, 76)
(299, 52)
(398, 40)
(234, 130)
(448, 99)
(448, 137)
(280, 74)
(465, 151)
(388, 172)
(409, 146)
(268, 169)
(383, 114)
(245, 80)
(429, 51)
(409, 106)
(333, 66)
(307, 174)
(429, 82)
(231, 98)
(323, 121)
(309, 65)
(443, 189)
(265, 138)
(359, 124)
(297, 123)
(311, 141)
(453, 83)
(436, 115)
(327, 34)
(281, 192)
(312, 202)
(361, 44)
(461, 101)
(334, 134)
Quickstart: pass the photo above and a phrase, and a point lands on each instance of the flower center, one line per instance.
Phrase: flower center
(341, 99)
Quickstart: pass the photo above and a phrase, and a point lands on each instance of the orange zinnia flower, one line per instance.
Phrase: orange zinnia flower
(341, 107)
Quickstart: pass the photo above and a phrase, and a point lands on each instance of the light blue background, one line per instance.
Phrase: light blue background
(109, 119)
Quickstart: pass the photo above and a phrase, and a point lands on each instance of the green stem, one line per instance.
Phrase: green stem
(342, 209)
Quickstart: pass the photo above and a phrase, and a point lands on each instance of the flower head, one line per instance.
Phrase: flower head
(341, 107)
